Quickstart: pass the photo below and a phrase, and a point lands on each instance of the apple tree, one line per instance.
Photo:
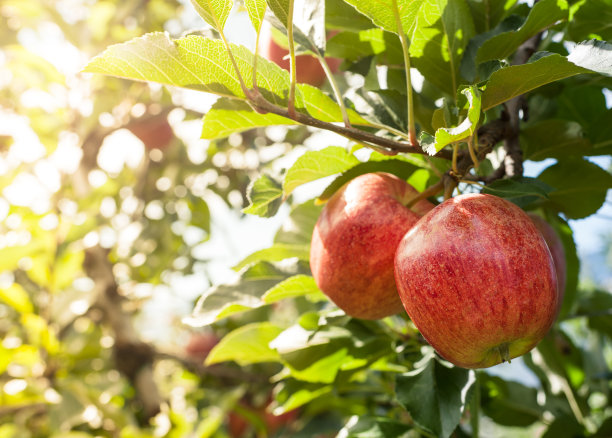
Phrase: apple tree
(510, 99)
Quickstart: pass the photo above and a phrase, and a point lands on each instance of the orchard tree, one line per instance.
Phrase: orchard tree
(404, 172)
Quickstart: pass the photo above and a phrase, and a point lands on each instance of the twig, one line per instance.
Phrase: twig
(263, 106)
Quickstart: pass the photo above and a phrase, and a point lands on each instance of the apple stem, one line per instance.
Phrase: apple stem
(430, 191)
(471, 149)
(504, 352)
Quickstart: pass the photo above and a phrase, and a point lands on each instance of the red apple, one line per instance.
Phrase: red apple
(199, 345)
(477, 279)
(276, 422)
(308, 68)
(556, 249)
(154, 131)
(354, 242)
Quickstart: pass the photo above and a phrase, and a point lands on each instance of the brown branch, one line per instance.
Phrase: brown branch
(133, 357)
(261, 105)
(513, 161)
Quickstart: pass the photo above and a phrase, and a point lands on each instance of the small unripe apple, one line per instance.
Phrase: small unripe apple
(308, 68)
(155, 131)
(478, 281)
(556, 250)
(354, 243)
(200, 344)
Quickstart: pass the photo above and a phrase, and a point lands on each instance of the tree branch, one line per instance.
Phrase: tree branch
(261, 105)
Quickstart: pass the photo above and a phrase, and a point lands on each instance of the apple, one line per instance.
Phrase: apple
(238, 425)
(308, 68)
(199, 345)
(154, 131)
(354, 243)
(478, 281)
(556, 250)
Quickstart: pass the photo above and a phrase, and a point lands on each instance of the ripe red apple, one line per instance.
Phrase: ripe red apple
(354, 243)
(238, 425)
(556, 250)
(308, 68)
(477, 279)
(199, 345)
(154, 131)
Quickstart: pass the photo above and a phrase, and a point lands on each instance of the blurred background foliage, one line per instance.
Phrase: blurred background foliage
(116, 216)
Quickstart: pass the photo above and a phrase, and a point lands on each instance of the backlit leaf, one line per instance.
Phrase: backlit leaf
(246, 345)
(230, 115)
(317, 164)
(214, 12)
(264, 196)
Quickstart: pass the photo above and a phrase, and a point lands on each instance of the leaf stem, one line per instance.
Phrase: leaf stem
(335, 88)
(292, 64)
(428, 192)
(255, 87)
(475, 407)
(243, 86)
(410, 98)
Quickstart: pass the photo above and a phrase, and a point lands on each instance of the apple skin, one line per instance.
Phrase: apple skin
(556, 250)
(354, 242)
(476, 277)
(154, 131)
(308, 68)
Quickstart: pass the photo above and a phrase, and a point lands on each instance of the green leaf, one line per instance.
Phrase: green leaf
(200, 213)
(297, 229)
(580, 187)
(470, 70)
(442, 32)
(522, 191)
(435, 396)
(594, 55)
(595, 306)
(230, 115)
(264, 195)
(214, 12)
(313, 356)
(246, 293)
(553, 138)
(402, 167)
(487, 14)
(509, 403)
(446, 136)
(275, 253)
(572, 263)
(374, 427)
(294, 393)
(296, 286)
(544, 14)
(280, 9)
(256, 10)
(592, 19)
(509, 82)
(352, 46)
(382, 13)
(16, 297)
(246, 345)
(203, 64)
(314, 165)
